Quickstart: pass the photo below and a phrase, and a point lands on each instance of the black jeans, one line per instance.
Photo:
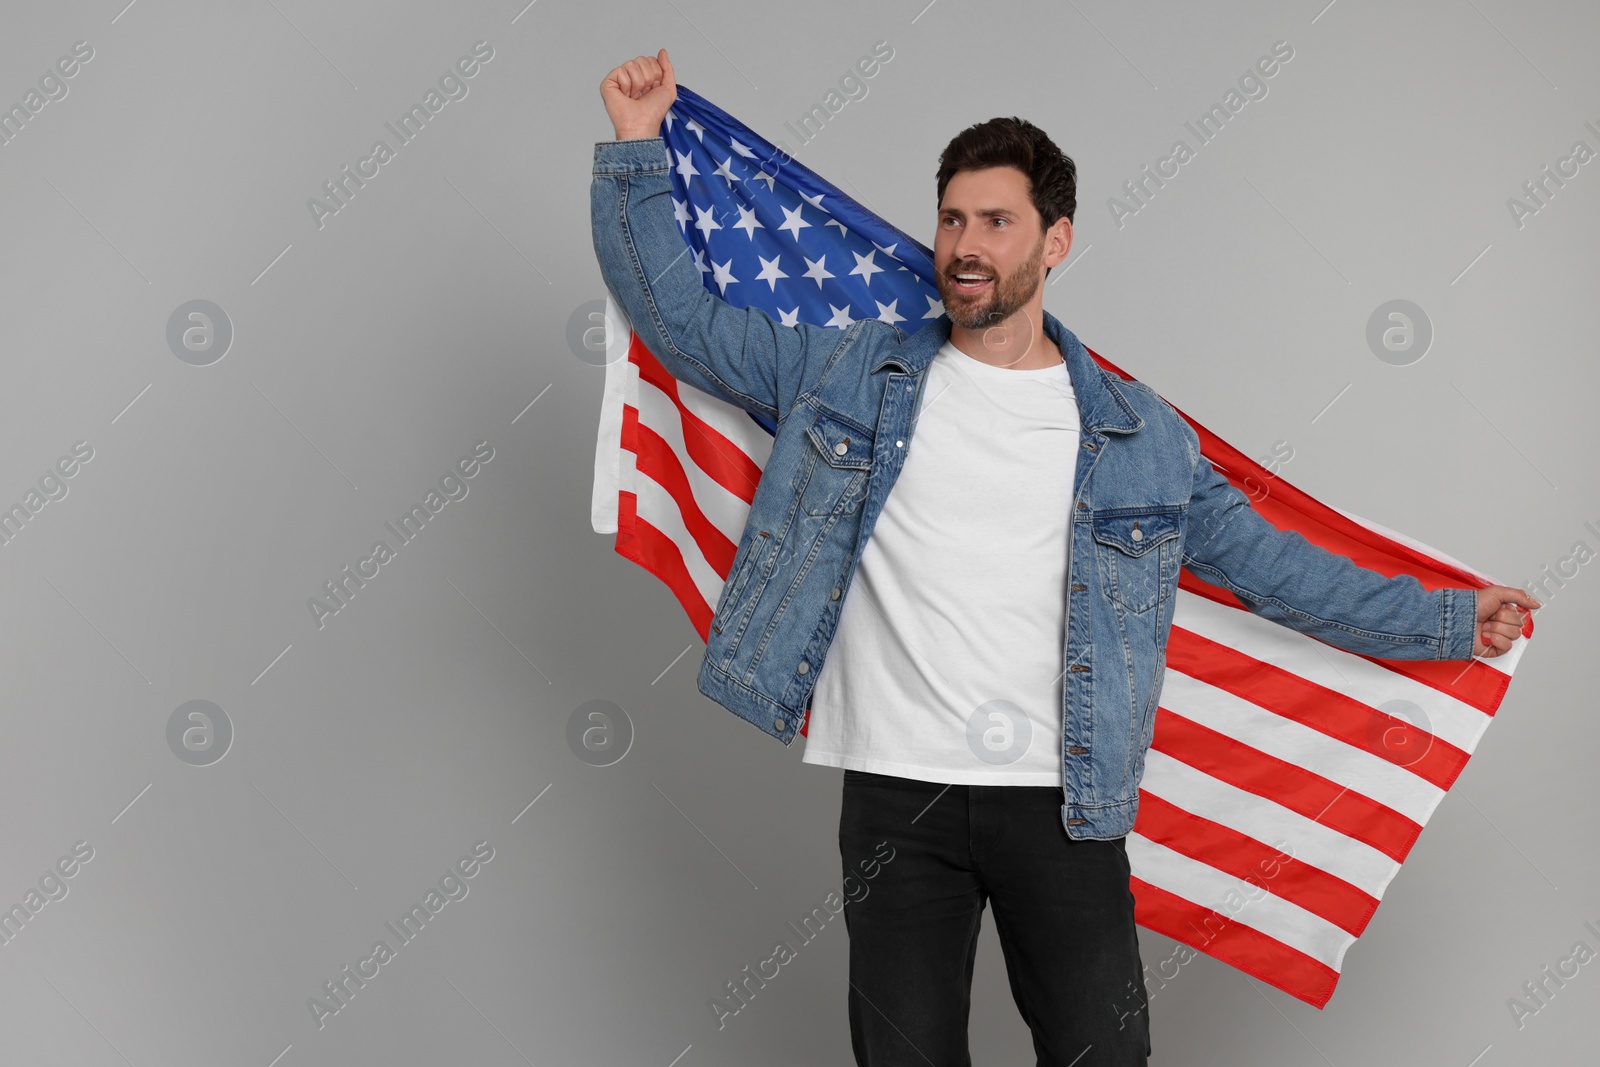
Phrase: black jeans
(1062, 908)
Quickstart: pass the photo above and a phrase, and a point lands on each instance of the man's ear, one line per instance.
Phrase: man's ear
(1057, 242)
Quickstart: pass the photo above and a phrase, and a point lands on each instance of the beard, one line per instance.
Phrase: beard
(1004, 296)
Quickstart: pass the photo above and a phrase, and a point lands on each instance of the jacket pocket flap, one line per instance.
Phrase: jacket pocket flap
(841, 443)
(1135, 532)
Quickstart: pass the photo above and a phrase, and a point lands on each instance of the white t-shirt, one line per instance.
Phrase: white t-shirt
(947, 662)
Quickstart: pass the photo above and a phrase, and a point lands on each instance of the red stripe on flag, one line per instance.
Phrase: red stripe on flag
(655, 552)
(1233, 943)
(1260, 864)
(657, 461)
(720, 458)
(1325, 710)
(1287, 784)
(1476, 684)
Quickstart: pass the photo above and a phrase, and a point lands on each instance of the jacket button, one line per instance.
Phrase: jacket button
(1077, 667)
(781, 723)
(835, 594)
(841, 448)
(1076, 750)
(1076, 822)
(1082, 506)
(1137, 535)
(1078, 587)
(804, 667)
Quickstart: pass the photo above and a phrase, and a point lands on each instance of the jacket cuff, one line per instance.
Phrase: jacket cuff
(1459, 623)
(634, 156)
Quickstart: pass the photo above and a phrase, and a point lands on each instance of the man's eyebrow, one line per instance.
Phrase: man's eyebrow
(988, 211)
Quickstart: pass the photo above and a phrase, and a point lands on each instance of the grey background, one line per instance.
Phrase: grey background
(431, 713)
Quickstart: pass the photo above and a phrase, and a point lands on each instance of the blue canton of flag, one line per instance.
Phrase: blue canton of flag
(767, 232)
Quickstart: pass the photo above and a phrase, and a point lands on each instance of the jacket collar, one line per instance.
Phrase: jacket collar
(1101, 405)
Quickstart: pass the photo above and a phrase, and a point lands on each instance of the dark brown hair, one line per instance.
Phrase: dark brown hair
(1014, 142)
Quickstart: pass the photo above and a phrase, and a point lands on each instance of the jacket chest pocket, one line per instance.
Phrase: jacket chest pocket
(832, 477)
(1136, 551)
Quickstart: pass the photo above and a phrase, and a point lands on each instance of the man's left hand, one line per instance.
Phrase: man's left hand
(1500, 619)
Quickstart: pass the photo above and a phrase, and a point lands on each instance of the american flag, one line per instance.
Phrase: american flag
(1287, 781)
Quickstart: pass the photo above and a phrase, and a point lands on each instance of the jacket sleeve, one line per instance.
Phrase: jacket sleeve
(739, 354)
(1281, 576)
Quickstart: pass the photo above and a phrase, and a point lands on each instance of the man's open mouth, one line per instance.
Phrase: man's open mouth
(971, 283)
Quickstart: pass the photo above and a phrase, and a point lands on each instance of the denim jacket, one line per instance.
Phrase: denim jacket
(1145, 502)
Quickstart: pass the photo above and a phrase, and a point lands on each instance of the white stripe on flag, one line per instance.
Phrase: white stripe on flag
(1265, 731)
(1272, 824)
(730, 421)
(726, 511)
(657, 507)
(608, 449)
(1202, 884)
(1343, 672)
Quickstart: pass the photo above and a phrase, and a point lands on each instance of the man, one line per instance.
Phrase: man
(1002, 643)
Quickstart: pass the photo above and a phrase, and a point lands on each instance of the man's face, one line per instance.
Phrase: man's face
(988, 226)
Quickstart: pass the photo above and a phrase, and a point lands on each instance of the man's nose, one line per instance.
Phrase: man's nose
(968, 248)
